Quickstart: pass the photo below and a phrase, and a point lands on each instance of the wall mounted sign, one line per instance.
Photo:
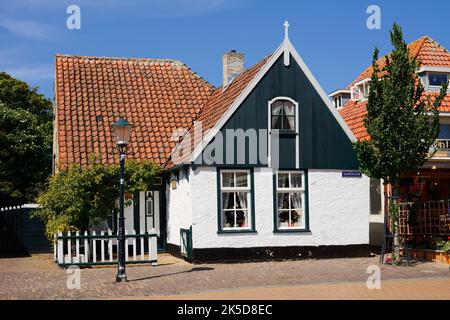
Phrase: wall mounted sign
(351, 174)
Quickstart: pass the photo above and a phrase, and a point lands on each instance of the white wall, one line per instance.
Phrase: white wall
(338, 211)
(179, 209)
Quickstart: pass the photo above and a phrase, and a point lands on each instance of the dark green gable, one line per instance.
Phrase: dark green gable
(323, 143)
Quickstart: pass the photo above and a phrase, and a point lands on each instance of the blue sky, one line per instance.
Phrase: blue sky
(331, 36)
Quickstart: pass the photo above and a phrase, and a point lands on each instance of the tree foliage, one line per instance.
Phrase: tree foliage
(398, 116)
(25, 141)
(80, 193)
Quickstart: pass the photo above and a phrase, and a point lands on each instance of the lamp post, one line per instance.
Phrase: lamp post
(122, 132)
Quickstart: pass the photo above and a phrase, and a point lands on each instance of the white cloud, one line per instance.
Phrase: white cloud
(29, 29)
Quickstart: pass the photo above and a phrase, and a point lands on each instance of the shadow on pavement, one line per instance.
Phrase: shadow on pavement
(173, 273)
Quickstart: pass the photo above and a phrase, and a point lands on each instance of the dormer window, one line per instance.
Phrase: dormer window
(361, 90)
(437, 79)
(338, 102)
(340, 98)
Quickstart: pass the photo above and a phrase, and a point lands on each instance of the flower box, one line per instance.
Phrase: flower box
(430, 255)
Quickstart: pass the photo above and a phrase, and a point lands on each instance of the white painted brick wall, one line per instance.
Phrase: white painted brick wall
(179, 209)
(338, 211)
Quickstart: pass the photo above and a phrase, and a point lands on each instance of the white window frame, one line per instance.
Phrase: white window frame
(301, 190)
(429, 73)
(235, 190)
(296, 131)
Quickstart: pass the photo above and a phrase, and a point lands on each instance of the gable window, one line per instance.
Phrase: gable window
(235, 200)
(437, 79)
(283, 115)
(290, 206)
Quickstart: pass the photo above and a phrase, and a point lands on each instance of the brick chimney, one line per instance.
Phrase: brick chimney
(233, 66)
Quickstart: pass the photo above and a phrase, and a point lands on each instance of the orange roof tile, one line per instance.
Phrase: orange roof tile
(156, 96)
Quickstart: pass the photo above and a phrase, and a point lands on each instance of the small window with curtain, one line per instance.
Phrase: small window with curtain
(283, 115)
(290, 200)
(235, 199)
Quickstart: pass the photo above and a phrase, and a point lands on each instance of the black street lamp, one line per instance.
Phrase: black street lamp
(122, 132)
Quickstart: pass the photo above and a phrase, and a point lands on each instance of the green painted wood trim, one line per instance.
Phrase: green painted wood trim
(275, 205)
(188, 244)
(252, 198)
(219, 199)
(237, 231)
(136, 211)
(252, 203)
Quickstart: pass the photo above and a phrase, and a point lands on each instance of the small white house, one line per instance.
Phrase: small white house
(259, 168)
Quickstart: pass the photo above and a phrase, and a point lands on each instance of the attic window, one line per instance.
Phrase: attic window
(283, 115)
(338, 102)
(437, 79)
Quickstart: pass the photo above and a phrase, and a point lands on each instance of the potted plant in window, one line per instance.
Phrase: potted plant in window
(294, 218)
(228, 219)
(284, 219)
(240, 217)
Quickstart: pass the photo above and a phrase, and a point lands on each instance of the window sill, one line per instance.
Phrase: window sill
(236, 231)
(292, 231)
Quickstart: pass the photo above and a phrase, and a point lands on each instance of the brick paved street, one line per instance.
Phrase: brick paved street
(38, 277)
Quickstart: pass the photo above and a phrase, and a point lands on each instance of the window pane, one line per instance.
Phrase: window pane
(241, 179)
(283, 200)
(228, 219)
(276, 122)
(283, 218)
(277, 108)
(289, 123)
(437, 79)
(227, 179)
(289, 108)
(444, 132)
(227, 200)
(296, 200)
(241, 219)
(241, 200)
(283, 180)
(296, 180)
(296, 218)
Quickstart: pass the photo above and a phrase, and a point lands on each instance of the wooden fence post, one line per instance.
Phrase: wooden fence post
(60, 249)
(86, 247)
(110, 251)
(77, 248)
(142, 245)
(134, 245)
(103, 245)
(94, 247)
(69, 246)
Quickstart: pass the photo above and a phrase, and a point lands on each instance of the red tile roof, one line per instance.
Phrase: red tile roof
(428, 51)
(156, 96)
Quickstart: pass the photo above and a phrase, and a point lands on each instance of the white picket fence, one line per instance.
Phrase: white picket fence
(101, 248)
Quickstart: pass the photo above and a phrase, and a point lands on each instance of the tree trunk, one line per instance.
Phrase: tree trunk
(394, 215)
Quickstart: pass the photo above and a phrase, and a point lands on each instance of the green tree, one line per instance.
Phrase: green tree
(398, 120)
(81, 193)
(25, 141)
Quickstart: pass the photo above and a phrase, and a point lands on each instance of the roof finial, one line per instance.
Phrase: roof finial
(286, 30)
